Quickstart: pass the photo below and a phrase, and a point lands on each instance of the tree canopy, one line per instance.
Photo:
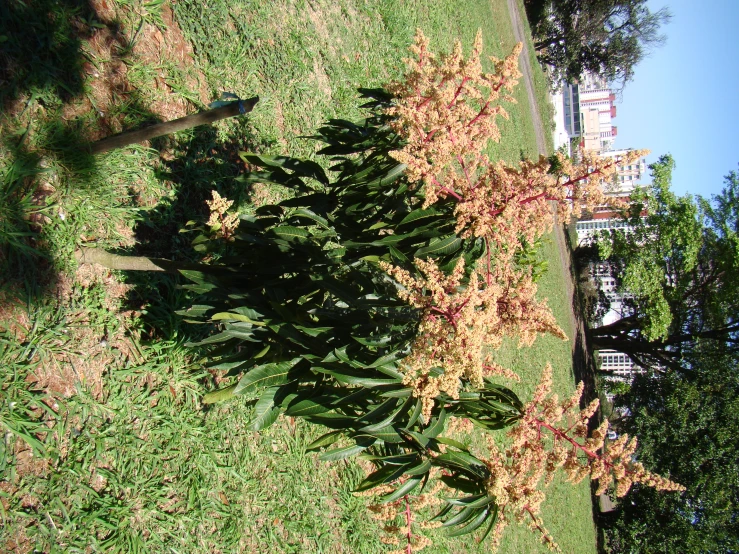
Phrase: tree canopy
(687, 429)
(605, 37)
(678, 266)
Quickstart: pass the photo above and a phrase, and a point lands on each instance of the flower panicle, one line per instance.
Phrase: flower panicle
(460, 321)
(220, 221)
(446, 109)
(397, 517)
(552, 434)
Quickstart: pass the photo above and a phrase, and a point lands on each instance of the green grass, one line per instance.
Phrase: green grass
(541, 84)
(106, 445)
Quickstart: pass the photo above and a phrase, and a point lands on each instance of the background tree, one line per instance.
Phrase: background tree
(687, 430)
(679, 265)
(605, 37)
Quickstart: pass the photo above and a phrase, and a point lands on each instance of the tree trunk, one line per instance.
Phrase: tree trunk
(168, 127)
(129, 263)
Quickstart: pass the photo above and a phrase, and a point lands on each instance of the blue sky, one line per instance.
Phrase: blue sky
(684, 98)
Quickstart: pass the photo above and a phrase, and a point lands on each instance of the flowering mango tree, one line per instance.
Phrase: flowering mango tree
(367, 301)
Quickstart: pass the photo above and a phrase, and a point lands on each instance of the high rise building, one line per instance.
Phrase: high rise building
(589, 112)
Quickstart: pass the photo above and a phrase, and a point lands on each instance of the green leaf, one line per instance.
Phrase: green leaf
(265, 375)
(439, 247)
(310, 406)
(462, 484)
(386, 359)
(474, 501)
(390, 418)
(398, 393)
(398, 255)
(416, 413)
(314, 331)
(324, 440)
(353, 377)
(465, 514)
(341, 453)
(305, 168)
(493, 519)
(379, 411)
(395, 460)
(472, 525)
(228, 316)
(420, 469)
(393, 174)
(403, 489)
(197, 310)
(386, 474)
(288, 232)
(390, 371)
(387, 434)
(437, 425)
(213, 339)
(452, 442)
(311, 215)
(415, 215)
(463, 461)
(219, 395)
(265, 411)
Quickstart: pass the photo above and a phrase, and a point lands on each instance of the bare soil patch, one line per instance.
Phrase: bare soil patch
(163, 52)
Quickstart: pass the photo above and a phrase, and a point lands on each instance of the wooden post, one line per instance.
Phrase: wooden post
(131, 137)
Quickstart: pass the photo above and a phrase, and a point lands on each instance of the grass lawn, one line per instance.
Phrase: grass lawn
(106, 445)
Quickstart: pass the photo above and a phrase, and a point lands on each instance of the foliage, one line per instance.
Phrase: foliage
(607, 38)
(698, 447)
(677, 263)
(364, 301)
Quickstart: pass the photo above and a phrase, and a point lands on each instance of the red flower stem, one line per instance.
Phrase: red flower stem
(480, 114)
(447, 190)
(483, 111)
(466, 173)
(451, 193)
(536, 523)
(430, 135)
(563, 436)
(455, 315)
(426, 100)
(457, 93)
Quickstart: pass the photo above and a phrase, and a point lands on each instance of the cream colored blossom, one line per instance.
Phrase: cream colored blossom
(222, 223)
(547, 438)
(459, 321)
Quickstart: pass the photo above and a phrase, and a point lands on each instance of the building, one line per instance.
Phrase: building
(589, 111)
(627, 176)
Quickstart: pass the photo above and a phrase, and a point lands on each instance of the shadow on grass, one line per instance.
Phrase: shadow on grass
(536, 11)
(42, 49)
(49, 118)
(41, 71)
(194, 166)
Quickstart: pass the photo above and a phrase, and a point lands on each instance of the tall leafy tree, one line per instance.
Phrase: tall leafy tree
(687, 428)
(605, 37)
(680, 266)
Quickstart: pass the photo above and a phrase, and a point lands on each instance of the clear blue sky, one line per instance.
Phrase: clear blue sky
(684, 99)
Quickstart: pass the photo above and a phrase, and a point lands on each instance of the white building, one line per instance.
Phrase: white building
(628, 176)
(588, 112)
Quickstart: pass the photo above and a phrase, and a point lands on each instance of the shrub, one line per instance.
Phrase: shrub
(364, 301)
